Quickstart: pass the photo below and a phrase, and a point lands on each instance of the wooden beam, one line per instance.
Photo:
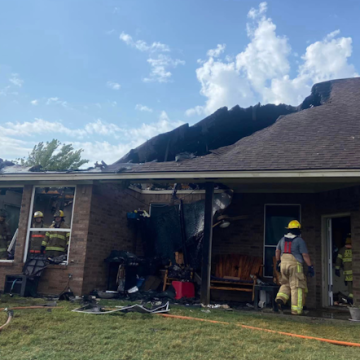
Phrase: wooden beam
(207, 244)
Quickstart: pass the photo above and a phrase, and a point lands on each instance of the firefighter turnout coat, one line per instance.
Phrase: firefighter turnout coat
(56, 242)
(36, 239)
(293, 280)
(344, 259)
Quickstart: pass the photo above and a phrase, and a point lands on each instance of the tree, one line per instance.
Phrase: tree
(50, 156)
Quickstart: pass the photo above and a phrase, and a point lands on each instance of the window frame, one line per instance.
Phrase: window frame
(264, 242)
(17, 187)
(29, 228)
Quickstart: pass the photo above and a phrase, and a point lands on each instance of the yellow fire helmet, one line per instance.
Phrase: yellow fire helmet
(294, 224)
(59, 213)
(38, 214)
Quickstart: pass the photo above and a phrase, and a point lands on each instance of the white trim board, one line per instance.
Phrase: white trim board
(207, 175)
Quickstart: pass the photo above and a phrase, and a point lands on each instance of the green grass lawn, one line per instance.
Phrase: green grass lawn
(62, 334)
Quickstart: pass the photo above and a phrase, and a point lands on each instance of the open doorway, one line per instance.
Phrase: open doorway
(338, 229)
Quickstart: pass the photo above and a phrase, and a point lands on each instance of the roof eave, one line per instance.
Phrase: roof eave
(184, 176)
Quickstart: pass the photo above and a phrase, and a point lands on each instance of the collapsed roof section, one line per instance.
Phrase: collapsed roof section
(223, 128)
(323, 134)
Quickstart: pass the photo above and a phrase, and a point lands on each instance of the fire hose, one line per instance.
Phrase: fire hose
(10, 316)
(11, 312)
(330, 341)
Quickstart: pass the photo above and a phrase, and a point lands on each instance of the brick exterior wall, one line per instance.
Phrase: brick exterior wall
(108, 231)
(100, 225)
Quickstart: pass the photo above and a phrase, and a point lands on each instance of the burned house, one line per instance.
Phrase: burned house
(304, 166)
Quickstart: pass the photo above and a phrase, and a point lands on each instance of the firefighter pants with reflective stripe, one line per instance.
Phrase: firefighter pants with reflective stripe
(293, 283)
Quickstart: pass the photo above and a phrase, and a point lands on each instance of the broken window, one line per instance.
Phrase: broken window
(50, 223)
(277, 218)
(10, 204)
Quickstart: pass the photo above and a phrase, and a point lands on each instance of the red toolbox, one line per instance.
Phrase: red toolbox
(183, 289)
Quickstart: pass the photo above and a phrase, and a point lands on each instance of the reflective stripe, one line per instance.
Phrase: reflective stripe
(337, 267)
(348, 272)
(55, 248)
(340, 256)
(38, 236)
(44, 243)
(3, 249)
(300, 300)
(351, 296)
(347, 259)
(35, 251)
(51, 236)
(286, 297)
(299, 307)
(299, 268)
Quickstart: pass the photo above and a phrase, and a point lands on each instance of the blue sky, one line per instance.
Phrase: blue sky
(108, 75)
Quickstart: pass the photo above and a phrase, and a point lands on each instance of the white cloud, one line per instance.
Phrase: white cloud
(143, 108)
(333, 34)
(16, 80)
(56, 101)
(110, 32)
(159, 68)
(101, 128)
(17, 139)
(147, 131)
(261, 72)
(254, 13)
(216, 52)
(11, 148)
(38, 126)
(113, 85)
(34, 102)
(197, 110)
(159, 62)
(141, 45)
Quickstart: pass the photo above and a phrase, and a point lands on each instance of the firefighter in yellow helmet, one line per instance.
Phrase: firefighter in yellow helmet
(56, 242)
(291, 253)
(5, 236)
(37, 237)
(344, 260)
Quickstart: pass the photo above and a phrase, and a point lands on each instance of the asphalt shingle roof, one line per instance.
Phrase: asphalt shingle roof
(321, 137)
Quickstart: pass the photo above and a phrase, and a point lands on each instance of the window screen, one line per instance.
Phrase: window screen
(277, 218)
(10, 204)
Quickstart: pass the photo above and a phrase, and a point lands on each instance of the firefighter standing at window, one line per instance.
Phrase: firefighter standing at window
(56, 242)
(37, 237)
(291, 253)
(344, 259)
(5, 236)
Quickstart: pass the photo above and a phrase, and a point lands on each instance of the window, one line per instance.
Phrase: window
(277, 218)
(10, 204)
(50, 221)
